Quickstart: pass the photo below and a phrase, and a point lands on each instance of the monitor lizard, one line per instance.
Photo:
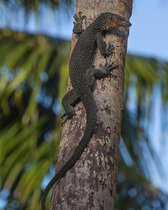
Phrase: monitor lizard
(83, 76)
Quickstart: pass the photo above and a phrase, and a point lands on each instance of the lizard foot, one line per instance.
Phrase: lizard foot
(79, 18)
(109, 50)
(108, 68)
(78, 23)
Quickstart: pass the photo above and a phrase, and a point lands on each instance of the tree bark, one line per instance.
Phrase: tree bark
(91, 183)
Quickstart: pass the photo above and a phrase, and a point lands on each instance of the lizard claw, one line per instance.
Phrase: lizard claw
(78, 23)
(109, 68)
(79, 18)
(64, 115)
(67, 116)
(109, 50)
(64, 121)
(113, 76)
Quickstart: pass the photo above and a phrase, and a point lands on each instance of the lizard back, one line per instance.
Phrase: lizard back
(82, 57)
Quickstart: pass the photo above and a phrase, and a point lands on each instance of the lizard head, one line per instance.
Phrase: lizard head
(111, 21)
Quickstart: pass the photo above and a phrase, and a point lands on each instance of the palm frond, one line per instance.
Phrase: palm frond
(25, 59)
(32, 68)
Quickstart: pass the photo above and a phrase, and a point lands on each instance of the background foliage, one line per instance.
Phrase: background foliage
(33, 77)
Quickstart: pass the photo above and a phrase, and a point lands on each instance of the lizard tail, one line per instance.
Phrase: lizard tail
(89, 104)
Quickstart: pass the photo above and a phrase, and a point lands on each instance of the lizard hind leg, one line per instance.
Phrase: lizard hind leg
(68, 101)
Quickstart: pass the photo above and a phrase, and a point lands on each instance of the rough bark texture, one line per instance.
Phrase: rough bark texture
(91, 184)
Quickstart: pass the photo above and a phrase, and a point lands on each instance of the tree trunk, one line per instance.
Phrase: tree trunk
(91, 183)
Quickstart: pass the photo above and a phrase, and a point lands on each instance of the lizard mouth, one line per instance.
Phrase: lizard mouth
(111, 24)
(124, 23)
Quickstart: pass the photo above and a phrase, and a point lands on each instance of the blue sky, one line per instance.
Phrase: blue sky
(149, 31)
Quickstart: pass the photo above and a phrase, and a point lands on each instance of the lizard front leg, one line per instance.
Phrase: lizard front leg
(105, 71)
(104, 49)
(78, 23)
(94, 73)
